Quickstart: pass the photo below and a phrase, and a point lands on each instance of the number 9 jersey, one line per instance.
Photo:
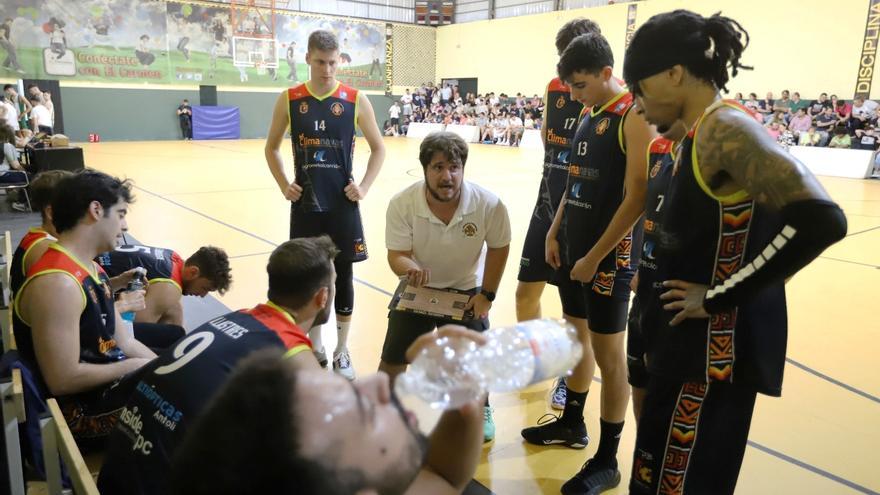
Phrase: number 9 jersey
(175, 388)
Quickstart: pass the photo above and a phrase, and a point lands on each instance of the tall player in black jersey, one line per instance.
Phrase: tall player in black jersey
(561, 115)
(322, 116)
(740, 215)
(603, 198)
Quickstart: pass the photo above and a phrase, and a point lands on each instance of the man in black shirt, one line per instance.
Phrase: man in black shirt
(818, 106)
(184, 113)
(825, 123)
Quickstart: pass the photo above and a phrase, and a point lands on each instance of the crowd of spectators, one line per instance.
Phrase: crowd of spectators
(502, 119)
(826, 121)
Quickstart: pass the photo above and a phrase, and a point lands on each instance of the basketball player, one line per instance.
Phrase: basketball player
(177, 386)
(603, 198)
(322, 115)
(169, 277)
(661, 154)
(64, 320)
(290, 436)
(561, 115)
(739, 216)
(34, 244)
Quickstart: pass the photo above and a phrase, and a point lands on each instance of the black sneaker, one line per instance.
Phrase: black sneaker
(551, 431)
(592, 479)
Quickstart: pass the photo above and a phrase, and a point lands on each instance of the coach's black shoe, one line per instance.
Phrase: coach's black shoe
(593, 479)
(551, 431)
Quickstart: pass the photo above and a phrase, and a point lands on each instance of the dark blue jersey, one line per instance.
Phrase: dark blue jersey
(177, 386)
(322, 129)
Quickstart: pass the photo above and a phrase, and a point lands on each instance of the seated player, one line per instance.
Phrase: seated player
(276, 429)
(64, 319)
(169, 277)
(176, 387)
(34, 244)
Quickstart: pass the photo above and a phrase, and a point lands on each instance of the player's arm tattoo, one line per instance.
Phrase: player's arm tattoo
(734, 150)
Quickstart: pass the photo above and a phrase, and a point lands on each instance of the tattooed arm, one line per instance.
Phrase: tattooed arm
(737, 154)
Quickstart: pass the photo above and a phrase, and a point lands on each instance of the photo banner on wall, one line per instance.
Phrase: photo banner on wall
(133, 41)
(868, 57)
(89, 40)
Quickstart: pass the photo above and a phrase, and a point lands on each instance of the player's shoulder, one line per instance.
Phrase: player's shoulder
(346, 92)
(297, 92)
(661, 146)
(557, 85)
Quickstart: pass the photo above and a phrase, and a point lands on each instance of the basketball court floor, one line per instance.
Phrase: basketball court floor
(821, 437)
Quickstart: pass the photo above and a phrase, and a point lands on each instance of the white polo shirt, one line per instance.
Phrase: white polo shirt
(452, 252)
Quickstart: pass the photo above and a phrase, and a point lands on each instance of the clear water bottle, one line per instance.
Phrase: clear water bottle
(459, 371)
(137, 283)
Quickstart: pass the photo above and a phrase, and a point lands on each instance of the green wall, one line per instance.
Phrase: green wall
(149, 114)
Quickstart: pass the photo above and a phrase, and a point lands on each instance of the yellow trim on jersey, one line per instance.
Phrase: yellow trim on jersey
(357, 106)
(620, 137)
(18, 295)
(735, 197)
(281, 310)
(293, 351)
(165, 281)
(93, 272)
(324, 96)
(607, 104)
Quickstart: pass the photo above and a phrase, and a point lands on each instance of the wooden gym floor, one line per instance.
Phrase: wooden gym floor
(822, 436)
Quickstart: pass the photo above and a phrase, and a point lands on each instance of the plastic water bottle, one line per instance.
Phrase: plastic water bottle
(459, 371)
(137, 283)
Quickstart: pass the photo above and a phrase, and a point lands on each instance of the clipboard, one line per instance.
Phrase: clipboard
(448, 304)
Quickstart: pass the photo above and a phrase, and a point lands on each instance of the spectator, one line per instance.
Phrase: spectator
(810, 138)
(10, 113)
(861, 114)
(388, 129)
(797, 103)
(406, 100)
(867, 139)
(90, 366)
(22, 105)
(786, 137)
(445, 94)
(774, 129)
(766, 107)
(739, 98)
(800, 122)
(11, 171)
(825, 124)
(753, 103)
(818, 106)
(394, 114)
(404, 128)
(841, 138)
(783, 105)
(41, 118)
(514, 130)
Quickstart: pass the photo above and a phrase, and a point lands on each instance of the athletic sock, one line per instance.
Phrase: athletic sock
(573, 414)
(315, 337)
(342, 328)
(609, 439)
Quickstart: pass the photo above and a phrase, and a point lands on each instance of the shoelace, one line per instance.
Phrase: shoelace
(344, 360)
(487, 414)
(559, 393)
(548, 418)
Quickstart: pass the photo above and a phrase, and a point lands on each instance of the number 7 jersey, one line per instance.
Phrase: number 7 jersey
(322, 131)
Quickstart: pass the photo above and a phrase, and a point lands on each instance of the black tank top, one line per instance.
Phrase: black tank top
(33, 236)
(661, 155)
(162, 265)
(322, 129)
(595, 191)
(705, 239)
(177, 386)
(563, 115)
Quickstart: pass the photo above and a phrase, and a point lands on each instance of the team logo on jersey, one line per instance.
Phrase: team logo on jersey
(343, 95)
(319, 156)
(603, 126)
(620, 106)
(562, 157)
(304, 107)
(337, 109)
(469, 229)
(576, 190)
(360, 247)
(656, 168)
(560, 102)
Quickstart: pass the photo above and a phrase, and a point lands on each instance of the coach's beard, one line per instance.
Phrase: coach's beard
(436, 195)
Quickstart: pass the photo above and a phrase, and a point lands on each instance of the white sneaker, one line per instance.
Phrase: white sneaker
(342, 365)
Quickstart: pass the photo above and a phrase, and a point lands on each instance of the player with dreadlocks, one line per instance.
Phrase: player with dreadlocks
(740, 216)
